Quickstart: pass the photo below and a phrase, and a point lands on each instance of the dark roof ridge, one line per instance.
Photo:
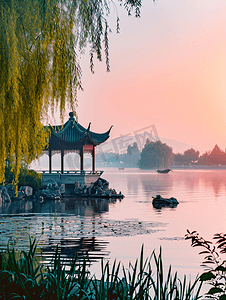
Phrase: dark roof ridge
(73, 132)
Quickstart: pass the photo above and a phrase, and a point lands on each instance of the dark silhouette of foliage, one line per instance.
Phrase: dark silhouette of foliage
(133, 149)
(155, 155)
(132, 156)
(26, 177)
(188, 157)
(215, 266)
(178, 159)
(214, 157)
(191, 155)
(8, 175)
(30, 178)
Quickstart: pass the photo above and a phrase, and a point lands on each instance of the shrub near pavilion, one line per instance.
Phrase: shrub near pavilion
(26, 178)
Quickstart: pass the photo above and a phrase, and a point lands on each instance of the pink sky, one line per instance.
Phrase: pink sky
(168, 68)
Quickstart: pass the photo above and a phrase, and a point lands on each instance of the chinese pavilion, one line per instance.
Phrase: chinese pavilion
(72, 137)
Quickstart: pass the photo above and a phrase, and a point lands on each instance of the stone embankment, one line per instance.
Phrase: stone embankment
(100, 188)
(55, 191)
(7, 193)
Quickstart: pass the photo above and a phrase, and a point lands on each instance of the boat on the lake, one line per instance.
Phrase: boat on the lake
(121, 168)
(165, 171)
(159, 201)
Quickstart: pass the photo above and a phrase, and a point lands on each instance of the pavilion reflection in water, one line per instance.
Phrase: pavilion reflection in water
(78, 242)
(77, 207)
(89, 248)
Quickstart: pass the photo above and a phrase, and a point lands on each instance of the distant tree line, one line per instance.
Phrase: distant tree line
(157, 154)
(128, 159)
(160, 155)
(214, 157)
(189, 156)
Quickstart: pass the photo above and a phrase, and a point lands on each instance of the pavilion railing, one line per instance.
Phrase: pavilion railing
(75, 172)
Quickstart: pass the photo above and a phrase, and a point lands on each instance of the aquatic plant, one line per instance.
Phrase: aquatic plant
(214, 264)
(23, 277)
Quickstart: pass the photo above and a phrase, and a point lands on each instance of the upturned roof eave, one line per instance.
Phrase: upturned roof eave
(74, 133)
(99, 142)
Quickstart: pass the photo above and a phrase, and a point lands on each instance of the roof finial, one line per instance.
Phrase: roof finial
(71, 115)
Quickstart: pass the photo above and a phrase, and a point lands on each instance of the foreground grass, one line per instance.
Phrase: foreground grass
(23, 277)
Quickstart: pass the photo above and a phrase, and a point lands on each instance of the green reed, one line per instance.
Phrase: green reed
(23, 277)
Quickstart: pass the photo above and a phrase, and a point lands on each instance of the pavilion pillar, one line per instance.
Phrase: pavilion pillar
(81, 159)
(93, 159)
(62, 161)
(50, 160)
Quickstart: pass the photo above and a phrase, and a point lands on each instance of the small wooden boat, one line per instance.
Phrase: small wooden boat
(121, 168)
(165, 171)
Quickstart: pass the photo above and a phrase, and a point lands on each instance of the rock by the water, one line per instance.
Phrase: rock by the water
(102, 183)
(49, 182)
(100, 188)
(62, 188)
(4, 194)
(159, 201)
(7, 193)
(21, 195)
(10, 190)
(51, 192)
(27, 190)
(40, 199)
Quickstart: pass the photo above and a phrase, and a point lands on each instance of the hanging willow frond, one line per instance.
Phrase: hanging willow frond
(106, 47)
(39, 66)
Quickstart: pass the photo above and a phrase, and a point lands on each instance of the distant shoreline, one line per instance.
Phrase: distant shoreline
(182, 167)
(199, 167)
(192, 167)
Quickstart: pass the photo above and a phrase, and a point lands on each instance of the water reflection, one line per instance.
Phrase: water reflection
(85, 226)
(90, 248)
(215, 180)
(189, 180)
(56, 223)
(155, 184)
(16, 207)
(133, 183)
(79, 206)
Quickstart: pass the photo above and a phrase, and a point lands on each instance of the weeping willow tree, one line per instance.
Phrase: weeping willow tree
(39, 40)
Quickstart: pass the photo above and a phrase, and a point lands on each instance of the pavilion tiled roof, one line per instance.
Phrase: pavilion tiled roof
(74, 133)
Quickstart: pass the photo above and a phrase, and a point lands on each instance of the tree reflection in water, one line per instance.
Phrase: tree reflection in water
(91, 248)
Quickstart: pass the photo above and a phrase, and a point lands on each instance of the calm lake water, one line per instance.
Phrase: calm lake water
(117, 229)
